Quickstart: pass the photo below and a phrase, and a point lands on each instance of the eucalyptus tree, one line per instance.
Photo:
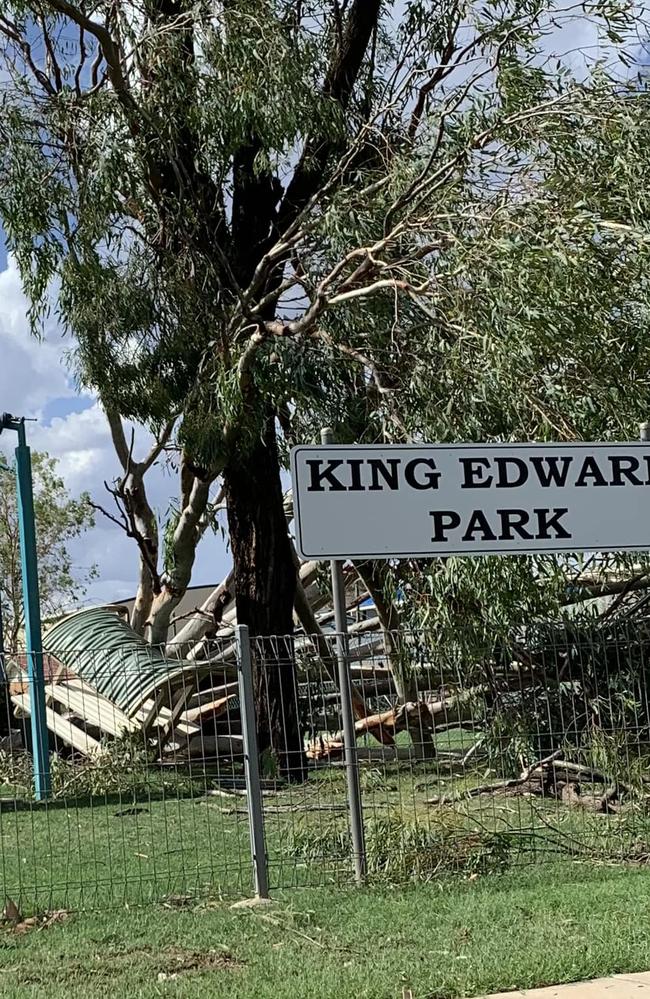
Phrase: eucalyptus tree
(260, 215)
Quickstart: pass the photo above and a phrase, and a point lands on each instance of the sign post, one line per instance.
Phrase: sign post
(420, 501)
(347, 716)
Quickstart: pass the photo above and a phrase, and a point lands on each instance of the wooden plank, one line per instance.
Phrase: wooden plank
(213, 709)
(62, 729)
(179, 704)
(160, 701)
(212, 693)
(162, 718)
(91, 706)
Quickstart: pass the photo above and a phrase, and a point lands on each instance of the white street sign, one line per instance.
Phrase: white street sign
(470, 499)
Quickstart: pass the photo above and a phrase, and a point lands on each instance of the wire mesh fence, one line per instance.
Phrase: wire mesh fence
(532, 751)
(138, 767)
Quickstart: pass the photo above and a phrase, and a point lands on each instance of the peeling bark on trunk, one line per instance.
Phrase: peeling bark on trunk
(144, 522)
(265, 586)
(184, 544)
(143, 600)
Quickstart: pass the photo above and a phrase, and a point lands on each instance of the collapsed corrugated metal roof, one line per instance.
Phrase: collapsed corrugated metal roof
(105, 651)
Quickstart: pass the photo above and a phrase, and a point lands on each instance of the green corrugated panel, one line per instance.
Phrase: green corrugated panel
(102, 649)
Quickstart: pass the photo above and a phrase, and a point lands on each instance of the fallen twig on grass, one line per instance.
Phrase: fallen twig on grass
(289, 928)
(235, 792)
(280, 809)
(494, 787)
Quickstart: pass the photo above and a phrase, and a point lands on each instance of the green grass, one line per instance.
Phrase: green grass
(105, 852)
(133, 848)
(154, 870)
(450, 939)
(185, 855)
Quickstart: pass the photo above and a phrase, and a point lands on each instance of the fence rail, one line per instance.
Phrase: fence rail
(228, 776)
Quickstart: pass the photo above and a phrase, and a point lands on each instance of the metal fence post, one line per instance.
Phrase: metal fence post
(251, 762)
(349, 733)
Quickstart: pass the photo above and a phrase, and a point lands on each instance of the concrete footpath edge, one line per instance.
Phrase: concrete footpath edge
(631, 986)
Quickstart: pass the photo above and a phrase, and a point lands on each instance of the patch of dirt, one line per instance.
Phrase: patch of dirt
(176, 960)
(137, 963)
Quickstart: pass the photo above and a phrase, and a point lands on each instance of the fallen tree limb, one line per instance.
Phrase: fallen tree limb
(496, 786)
(414, 717)
(589, 773)
(278, 809)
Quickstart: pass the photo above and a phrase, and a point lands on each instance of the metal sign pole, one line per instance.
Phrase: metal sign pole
(349, 733)
(32, 607)
(251, 762)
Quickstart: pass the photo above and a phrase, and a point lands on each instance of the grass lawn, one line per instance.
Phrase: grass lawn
(528, 927)
(133, 848)
(181, 848)
(97, 854)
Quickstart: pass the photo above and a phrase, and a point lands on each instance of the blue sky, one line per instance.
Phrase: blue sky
(34, 382)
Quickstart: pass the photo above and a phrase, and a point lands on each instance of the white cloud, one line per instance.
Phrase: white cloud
(33, 380)
(31, 372)
(81, 443)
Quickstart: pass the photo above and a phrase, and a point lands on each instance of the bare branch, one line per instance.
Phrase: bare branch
(52, 61)
(159, 446)
(392, 283)
(122, 522)
(128, 523)
(441, 71)
(10, 31)
(109, 48)
(117, 435)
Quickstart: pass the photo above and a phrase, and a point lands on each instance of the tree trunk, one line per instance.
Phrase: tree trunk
(265, 586)
(143, 600)
(186, 536)
(144, 524)
(203, 624)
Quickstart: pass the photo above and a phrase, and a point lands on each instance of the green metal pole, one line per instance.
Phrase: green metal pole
(31, 601)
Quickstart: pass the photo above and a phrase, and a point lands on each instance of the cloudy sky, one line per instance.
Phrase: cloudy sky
(34, 382)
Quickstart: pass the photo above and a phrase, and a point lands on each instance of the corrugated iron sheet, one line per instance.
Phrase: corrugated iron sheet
(104, 650)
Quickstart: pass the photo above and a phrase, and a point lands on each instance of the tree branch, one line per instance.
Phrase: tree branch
(109, 47)
(159, 446)
(128, 523)
(10, 30)
(117, 435)
(361, 22)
